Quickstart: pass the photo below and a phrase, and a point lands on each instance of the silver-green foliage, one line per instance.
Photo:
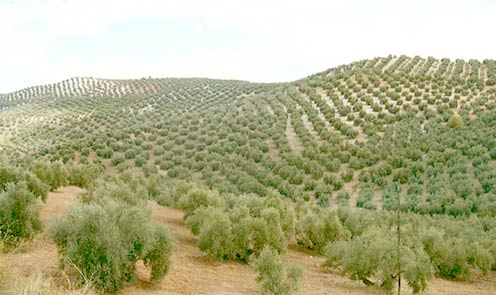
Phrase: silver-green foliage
(235, 227)
(239, 233)
(317, 227)
(104, 240)
(273, 278)
(19, 214)
(374, 254)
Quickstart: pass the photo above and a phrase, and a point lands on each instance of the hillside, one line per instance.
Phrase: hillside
(315, 168)
(343, 135)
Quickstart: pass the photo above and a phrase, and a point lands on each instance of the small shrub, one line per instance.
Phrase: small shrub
(174, 172)
(139, 161)
(455, 121)
(158, 151)
(316, 228)
(237, 235)
(104, 241)
(365, 196)
(215, 237)
(19, 214)
(84, 174)
(117, 159)
(105, 153)
(130, 154)
(272, 276)
(347, 176)
(343, 198)
(122, 167)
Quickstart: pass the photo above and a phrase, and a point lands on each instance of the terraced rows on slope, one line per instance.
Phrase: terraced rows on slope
(362, 134)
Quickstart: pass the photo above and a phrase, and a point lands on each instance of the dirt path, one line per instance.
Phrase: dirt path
(465, 71)
(57, 202)
(270, 110)
(389, 64)
(273, 150)
(321, 116)
(293, 139)
(402, 65)
(309, 126)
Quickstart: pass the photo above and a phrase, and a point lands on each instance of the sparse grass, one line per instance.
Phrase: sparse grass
(35, 283)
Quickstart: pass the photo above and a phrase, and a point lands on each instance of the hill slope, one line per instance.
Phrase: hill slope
(355, 135)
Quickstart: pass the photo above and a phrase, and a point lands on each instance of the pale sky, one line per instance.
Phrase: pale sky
(262, 41)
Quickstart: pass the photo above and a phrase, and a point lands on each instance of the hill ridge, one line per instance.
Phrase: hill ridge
(458, 70)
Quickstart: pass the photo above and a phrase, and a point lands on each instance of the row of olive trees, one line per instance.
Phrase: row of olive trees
(186, 144)
(360, 242)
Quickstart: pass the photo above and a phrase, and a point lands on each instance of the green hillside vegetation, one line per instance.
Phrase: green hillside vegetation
(320, 162)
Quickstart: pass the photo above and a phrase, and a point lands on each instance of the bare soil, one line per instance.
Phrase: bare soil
(293, 139)
(273, 150)
(389, 64)
(309, 126)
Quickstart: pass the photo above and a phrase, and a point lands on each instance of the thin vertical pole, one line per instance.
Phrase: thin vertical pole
(398, 213)
(399, 244)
